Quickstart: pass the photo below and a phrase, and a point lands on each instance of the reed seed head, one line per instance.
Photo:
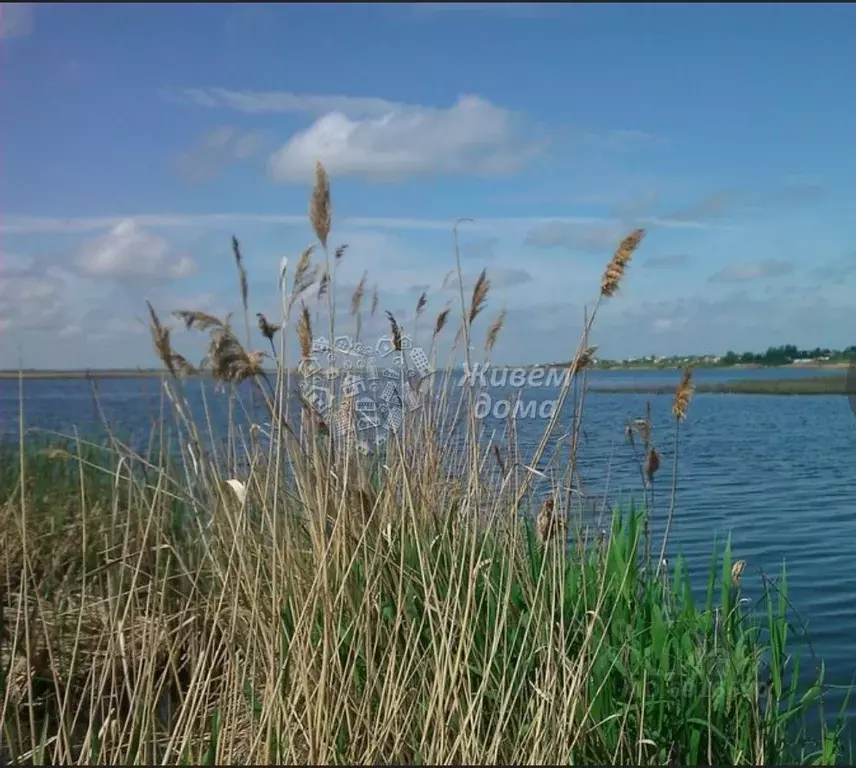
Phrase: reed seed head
(420, 304)
(585, 360)
(440, 322)
(683, 395)
(396, 331)
(737, 571)
(375, 300)
(549, 525)
(323, 285)
(614, 273)
(340, 251)
(652, 464)
(228, 358)
(493, 331)
(199, 320)
(357, 295)
(480, 292)
(304, 333)
(242, 273)
(320, 207)
(268, 329)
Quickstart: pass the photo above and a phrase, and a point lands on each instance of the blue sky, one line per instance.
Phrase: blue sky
(135, 139)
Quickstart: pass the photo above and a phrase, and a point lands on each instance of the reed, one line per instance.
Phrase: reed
(300, 597)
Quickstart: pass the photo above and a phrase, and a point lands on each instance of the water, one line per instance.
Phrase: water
(777, 473)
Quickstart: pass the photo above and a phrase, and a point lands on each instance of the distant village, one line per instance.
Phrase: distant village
(787, 354)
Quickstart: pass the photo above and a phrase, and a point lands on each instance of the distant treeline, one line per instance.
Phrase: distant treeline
(788, 353)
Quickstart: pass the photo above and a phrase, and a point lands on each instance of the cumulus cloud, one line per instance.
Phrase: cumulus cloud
(127, 251)
(214, 150)
(472, 135)
(752, 270)
(16, 19)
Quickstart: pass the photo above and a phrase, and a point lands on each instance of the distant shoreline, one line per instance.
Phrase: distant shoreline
(149, 373)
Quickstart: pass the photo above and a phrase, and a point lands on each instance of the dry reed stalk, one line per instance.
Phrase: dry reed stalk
(493, 331)
(320, 207)
(618, 264)
(479, 299)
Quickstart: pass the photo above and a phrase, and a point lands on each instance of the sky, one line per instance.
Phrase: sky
(135, 140)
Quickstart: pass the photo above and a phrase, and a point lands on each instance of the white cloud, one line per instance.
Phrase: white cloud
(472, 135)
(12, 224)
(16, 19)
(128, 251)
(752, 270)
(214, 150)
(258, 102)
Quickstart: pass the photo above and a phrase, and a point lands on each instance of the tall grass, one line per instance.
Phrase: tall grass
(306, 598)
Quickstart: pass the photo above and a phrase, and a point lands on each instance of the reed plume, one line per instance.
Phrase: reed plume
(375, 300)
(230, 361)
(652, 464)
(584, 361)
(618, 264)
(440, 322)
(175, 363)
(304, 333)
(200, 320)
(320, 207)
(357, 295)
(396, 331)
(549, 525)
(493, 331)
(242, 273)
(479, 299)
(736, 572)
(683, 395)
(420, 304)
(340, 251)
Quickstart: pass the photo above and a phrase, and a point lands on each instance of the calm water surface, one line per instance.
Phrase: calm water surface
(777, 473)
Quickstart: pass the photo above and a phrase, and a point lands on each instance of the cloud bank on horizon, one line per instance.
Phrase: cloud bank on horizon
(137, 139)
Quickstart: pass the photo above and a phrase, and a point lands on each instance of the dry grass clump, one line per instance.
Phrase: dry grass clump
(307, 597)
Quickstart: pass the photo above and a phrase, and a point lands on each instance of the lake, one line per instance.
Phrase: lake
(778, 473)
